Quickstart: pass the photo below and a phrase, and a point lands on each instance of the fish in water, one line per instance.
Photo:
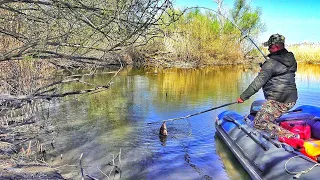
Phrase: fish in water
(163, 130)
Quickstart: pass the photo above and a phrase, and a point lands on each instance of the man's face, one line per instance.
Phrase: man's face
(273, 48)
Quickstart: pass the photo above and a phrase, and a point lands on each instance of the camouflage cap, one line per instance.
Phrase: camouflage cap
(274, 39)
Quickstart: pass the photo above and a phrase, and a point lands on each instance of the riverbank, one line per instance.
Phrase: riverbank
(22, 156)
(308, 53)
(167, 63)
(167, 60)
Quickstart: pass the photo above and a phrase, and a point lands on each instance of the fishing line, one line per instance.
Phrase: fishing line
(190, 115)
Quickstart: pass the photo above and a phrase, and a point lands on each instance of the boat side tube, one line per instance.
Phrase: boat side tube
(263, 145)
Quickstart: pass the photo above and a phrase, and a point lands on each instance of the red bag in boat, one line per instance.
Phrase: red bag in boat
(295, 143)
(298, 127)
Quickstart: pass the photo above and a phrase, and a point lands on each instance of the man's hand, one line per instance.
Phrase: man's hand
(239, 100)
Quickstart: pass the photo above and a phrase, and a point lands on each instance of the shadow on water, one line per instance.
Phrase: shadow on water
(104, 124)
(230, 162)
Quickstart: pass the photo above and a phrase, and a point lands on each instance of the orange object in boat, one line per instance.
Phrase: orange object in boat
(312, 149)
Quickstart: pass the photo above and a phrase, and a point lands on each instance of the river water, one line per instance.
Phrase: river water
(115, 122)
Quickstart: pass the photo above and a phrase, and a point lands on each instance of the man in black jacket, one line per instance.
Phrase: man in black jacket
(277, 80)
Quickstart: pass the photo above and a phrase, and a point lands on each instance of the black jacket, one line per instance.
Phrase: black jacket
(276, 78)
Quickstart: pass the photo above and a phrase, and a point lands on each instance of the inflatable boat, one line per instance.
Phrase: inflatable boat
(274, 158)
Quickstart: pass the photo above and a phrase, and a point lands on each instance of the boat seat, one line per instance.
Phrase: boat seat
(295, 116)
(315, 127)
(289, 116)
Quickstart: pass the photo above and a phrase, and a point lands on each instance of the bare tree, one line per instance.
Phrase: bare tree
(87, 33)
(78, 30)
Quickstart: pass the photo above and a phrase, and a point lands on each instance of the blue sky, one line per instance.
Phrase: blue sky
(297, 20)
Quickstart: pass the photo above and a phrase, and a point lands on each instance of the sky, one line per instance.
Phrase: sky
(297, 20)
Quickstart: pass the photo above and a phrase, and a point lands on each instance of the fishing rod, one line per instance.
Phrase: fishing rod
(245, 35)
(190, 115)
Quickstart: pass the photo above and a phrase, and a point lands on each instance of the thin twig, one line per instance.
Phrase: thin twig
(120, 165)
(112, 165)
(103, 172)
(91, 177)
(81, 166)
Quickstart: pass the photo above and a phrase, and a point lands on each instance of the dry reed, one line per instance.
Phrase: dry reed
(306, 52)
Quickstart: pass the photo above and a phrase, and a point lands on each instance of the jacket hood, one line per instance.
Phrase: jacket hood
(284, 57)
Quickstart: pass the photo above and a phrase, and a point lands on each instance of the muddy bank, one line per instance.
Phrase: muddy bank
(29, 147)
(23, 144)
(15, 164)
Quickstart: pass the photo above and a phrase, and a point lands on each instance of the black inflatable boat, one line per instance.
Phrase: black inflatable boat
(266, 158)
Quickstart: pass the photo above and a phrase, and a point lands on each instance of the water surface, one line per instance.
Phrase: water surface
(104, 124)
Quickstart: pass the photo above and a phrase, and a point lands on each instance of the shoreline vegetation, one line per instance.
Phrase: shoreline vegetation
(305, 53)
(41, 51)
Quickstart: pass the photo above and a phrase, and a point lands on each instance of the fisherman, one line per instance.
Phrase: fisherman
(277, 80)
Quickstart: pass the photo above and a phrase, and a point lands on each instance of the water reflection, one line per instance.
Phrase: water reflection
(102, 124)
(163, 140)
(232, 165)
